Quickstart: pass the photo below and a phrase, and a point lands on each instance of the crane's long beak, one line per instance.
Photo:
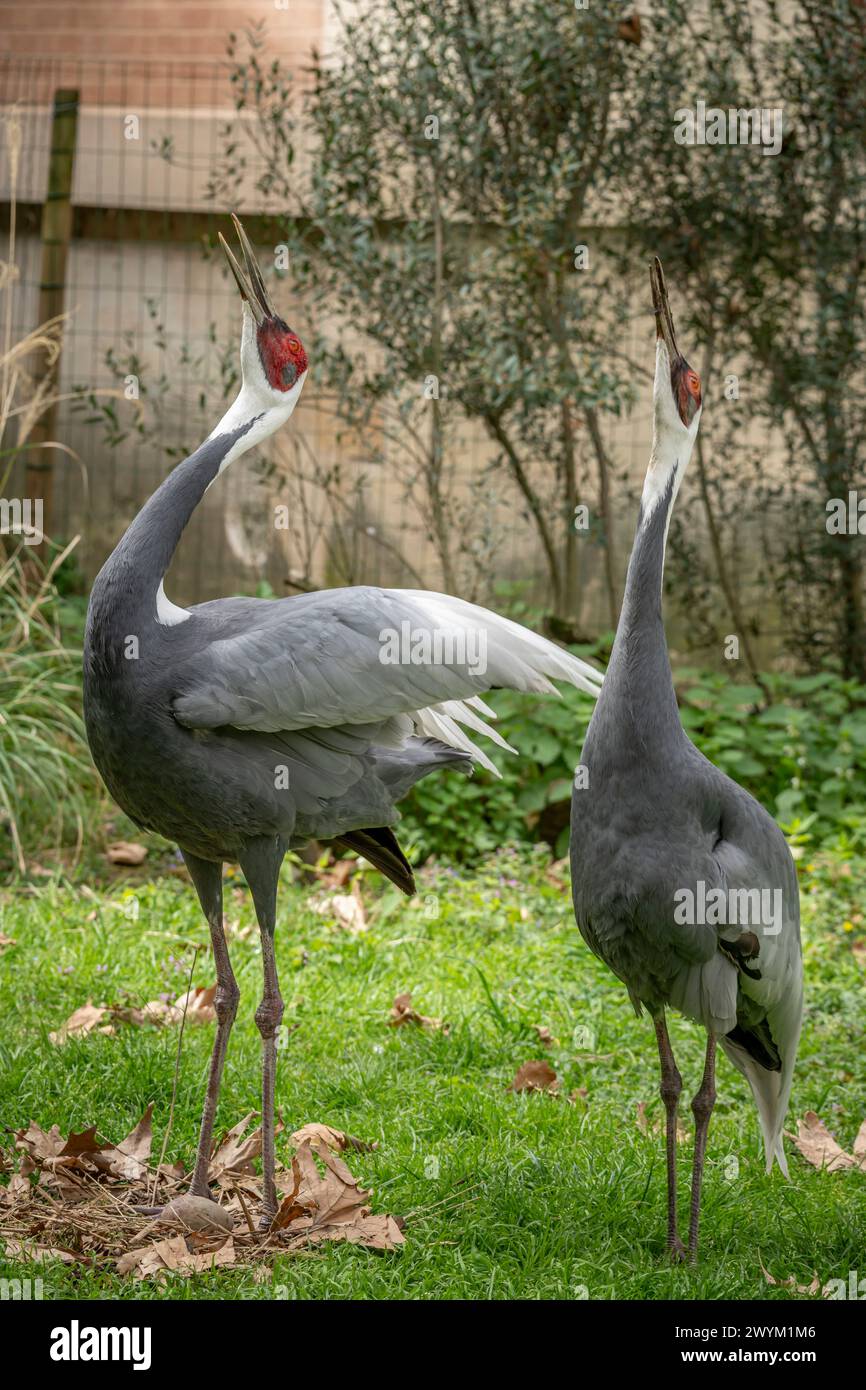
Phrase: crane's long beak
(250, 284)
(662, 308)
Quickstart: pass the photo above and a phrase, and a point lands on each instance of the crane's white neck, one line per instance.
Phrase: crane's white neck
(253, 416)
(132, 577)
(668, 462)
(263, 409)
(667, 466)
(673, 443)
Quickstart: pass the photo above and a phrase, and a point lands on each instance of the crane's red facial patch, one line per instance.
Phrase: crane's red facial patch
(282, 353)
(686, 386)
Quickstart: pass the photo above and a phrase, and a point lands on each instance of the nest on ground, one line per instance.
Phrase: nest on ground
(97, 1205)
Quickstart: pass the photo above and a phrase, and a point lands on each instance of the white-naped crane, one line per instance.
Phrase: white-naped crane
(242, 727)
(682, 883)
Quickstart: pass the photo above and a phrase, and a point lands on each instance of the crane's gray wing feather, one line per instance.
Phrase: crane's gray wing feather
(360, 656)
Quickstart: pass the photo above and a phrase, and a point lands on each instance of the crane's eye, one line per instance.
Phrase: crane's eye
(294, 344)
(694, 382)
(289, 374)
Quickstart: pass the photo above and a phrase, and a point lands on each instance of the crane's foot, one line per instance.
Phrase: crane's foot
(676, 1251)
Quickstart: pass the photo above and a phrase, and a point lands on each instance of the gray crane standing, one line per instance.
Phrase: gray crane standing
(241, 728)
(668, 855)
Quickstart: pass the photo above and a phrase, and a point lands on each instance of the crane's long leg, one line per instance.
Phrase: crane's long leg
(702, 1109)
(208, 881)
(671, 1086)
(261, 866)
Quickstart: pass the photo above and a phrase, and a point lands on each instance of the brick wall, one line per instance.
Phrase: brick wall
(173, 30)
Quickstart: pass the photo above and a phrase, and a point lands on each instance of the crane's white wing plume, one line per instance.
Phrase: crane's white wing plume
(363, 656)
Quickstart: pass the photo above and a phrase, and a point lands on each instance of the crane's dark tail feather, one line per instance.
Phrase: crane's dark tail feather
(756, 1039)
(380, 848)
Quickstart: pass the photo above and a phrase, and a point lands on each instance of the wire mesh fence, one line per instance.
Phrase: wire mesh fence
(153, 315)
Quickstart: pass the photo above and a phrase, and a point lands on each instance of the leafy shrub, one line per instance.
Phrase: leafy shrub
(803, 756)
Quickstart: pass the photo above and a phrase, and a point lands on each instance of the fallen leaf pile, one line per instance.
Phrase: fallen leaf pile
(791, 1283)
(819, 1148)
(83, 1200)
(829, 1290)
(327, 1204)
(197, 1003)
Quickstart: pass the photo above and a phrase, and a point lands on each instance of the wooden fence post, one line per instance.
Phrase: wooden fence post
(55, 235)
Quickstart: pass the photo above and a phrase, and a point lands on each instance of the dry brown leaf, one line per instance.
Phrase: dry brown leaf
(129, 1159)
(791, 1283)
(818, 1146)
(336, 1196)
(24, 1250)
(545, 1037)
(290, 1209)
(332, 1205)
(6, 940)
(129, 1261)
(199, 1004)
(85, 1143)
(402, 1012)
(535, 1076)
(126, 852)
(174, 1255)
(225, 1254)
(319, 1135)
(18, 1189)
(41, 1146)
(199, 1009)
(629, 30)
(235, 1152)
(377, 1232)
(347, 909)
(80, 1023)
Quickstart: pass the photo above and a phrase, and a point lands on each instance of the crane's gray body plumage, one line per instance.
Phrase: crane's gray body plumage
(242, 718)
(655, 818)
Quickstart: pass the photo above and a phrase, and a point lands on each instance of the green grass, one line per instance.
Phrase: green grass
(541, 1198)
